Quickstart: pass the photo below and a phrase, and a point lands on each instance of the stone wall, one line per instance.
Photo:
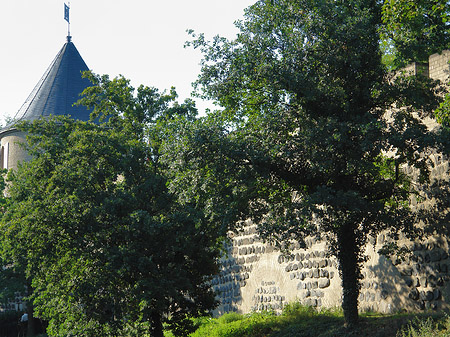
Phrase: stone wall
(255, 276)
(439, 68)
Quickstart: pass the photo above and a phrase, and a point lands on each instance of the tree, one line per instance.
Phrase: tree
(416, 29)
(107, 247)
(314, 132)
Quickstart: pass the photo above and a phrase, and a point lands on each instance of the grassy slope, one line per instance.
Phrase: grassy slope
(305, 322)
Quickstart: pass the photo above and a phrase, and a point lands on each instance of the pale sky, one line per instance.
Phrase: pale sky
(140, 39)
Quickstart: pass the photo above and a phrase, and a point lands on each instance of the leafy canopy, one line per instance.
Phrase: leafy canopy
(415, 29)
(314, 132)
(108, 249)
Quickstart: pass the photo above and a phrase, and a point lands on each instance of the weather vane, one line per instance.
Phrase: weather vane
(67, 18)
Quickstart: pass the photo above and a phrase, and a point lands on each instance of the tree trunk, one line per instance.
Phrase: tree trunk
(156, 325)
(348, 256)
(31, 326)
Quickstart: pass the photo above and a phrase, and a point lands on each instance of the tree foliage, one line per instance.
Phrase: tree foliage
(109, 250)
(415, 29)
(314, 132)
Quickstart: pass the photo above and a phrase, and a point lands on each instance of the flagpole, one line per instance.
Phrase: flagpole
(68, 27)
(67, 18)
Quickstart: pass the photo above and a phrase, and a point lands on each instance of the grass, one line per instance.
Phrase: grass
(297, 320)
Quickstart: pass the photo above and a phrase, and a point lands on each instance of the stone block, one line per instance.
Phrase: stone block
(414, 295)
(426, 295)
(312, 302)
(432, 281)
(436, 294)
(324, 283)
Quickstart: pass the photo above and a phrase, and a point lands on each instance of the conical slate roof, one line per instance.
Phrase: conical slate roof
(59, 88)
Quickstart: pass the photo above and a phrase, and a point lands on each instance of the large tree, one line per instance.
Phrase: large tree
(108, 249)
(313, 133)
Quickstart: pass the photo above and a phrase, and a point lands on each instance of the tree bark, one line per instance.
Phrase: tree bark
(348, 256)
(31, 326)
(156, 325)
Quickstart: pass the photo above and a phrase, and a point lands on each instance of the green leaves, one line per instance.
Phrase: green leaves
(315, 135)
(415, 29)
(90, 221)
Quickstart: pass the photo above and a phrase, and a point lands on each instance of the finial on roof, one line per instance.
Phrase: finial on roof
(66, 17)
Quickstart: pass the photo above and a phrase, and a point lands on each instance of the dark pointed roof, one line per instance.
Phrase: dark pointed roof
(59, 88)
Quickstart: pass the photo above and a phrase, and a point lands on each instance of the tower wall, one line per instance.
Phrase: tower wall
(12, 153)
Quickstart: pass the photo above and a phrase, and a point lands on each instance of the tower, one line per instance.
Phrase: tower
(54, 95)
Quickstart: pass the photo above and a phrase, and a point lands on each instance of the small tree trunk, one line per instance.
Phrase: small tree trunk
(156, 325)
(348, 256)
(31, 326)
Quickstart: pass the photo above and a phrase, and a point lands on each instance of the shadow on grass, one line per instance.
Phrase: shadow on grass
(300, 321)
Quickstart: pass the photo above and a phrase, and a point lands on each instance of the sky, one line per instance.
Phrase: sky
(142, 40)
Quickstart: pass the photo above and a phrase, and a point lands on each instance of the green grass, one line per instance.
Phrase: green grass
(297, 320)
(426, 327)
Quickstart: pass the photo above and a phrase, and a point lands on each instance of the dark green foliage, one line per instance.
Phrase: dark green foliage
(314, 132)
(109, 250)
(9, 322)
(415, 29)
